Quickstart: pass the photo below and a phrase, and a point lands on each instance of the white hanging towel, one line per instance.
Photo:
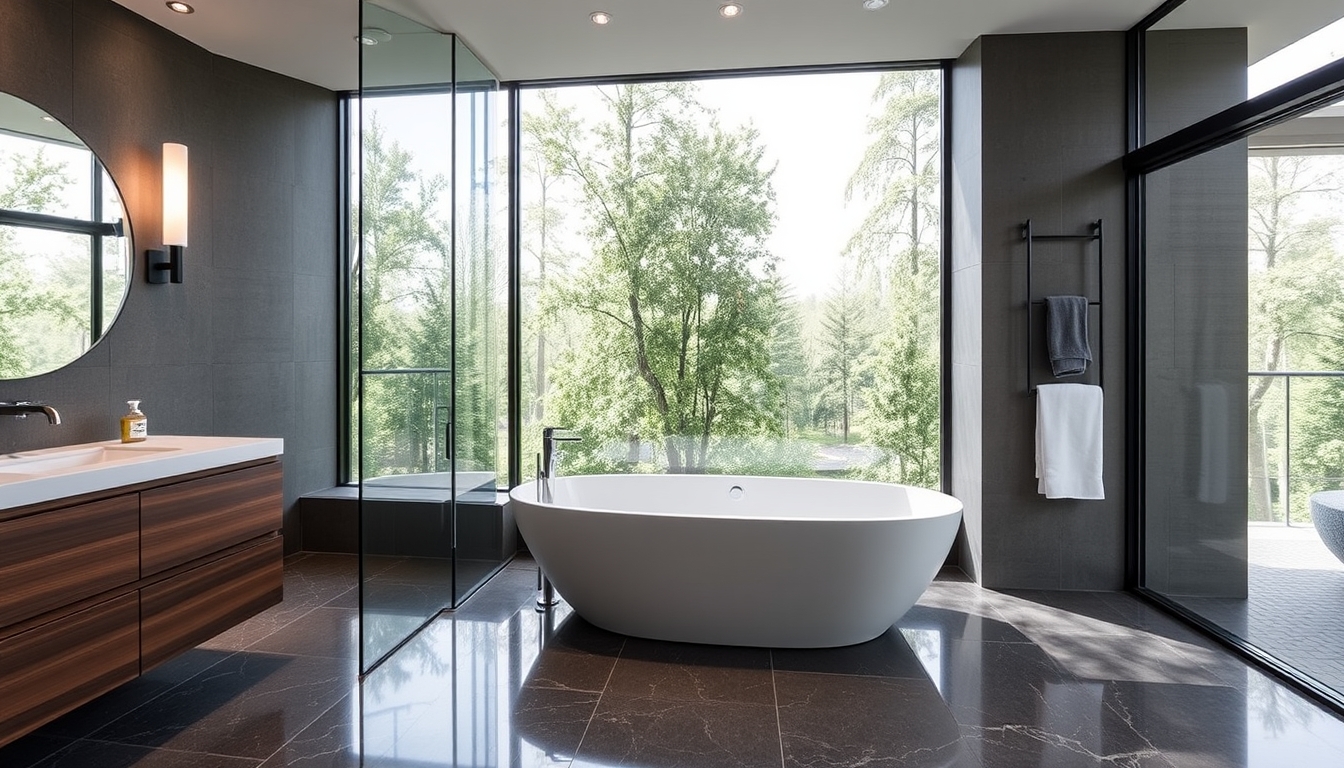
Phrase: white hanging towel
(1068, 441)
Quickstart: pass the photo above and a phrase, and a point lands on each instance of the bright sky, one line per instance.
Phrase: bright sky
(1311, 52)
(814, 127)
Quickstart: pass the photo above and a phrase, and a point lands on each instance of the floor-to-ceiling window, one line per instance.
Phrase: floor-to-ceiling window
(1243, 329)
(735, 274)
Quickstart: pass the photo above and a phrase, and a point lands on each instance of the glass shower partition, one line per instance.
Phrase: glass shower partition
(430, 528)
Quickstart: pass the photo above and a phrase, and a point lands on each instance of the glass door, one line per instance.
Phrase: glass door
(404, 307)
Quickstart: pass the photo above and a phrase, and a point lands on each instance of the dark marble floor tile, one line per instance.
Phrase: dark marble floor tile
(248, 705)
(347, 599)
(331, 741)
(887, 656)
(25, 751)
(666, 733)
(1020, 746)
(659, 670)
(954, 624)
(1032, 611)
(1192, 725)
(310, 582)
(131, 695)
(550, 724)
(993, 684)
(575, 656)
(331, 632)
(102, 754)
(831, 720)
(503, 595)
(1132, 655)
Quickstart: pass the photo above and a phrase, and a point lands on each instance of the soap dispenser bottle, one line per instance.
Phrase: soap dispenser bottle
(134, 425)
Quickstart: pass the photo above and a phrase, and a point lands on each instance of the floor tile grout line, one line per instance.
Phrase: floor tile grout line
(172, 750)
(774, 687)
(598, 705)
(300, 731)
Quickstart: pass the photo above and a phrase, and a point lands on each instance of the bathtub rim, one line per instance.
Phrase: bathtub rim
(954, 506)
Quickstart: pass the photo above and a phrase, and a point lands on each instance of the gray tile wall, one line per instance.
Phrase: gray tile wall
(247, 345)
(967, 329)
(1049, 114)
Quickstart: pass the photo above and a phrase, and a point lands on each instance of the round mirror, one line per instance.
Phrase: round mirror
(65, 251)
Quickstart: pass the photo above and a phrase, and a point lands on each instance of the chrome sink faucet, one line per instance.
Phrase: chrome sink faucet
(21, 409)
(550, 456)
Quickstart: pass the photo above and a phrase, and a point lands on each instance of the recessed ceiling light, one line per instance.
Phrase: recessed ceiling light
(49, 118)
(730, 10)
(373, 36)
(873, 5)
(177, 7)
(600, 18)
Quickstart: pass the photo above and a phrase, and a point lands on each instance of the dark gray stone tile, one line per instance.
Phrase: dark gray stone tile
(577, 656)
(887, 656)
(1192, 725)
(848, 720)
(132, 695)
(668, 733)
(253, 320)
(249, 705)
(958, 625)
(551, 723)
(657, 670)
(103, 754)
(331, 741)
(330, 632)
(24, 752)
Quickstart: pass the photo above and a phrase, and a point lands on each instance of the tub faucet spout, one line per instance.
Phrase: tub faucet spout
(22, 408)
(550, 455)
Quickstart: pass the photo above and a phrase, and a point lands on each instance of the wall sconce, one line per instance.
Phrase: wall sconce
(161, 266)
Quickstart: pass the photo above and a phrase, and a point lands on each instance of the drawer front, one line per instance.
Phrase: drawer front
(186, 610)
(181, 522)
(55, 558)
(49, 670)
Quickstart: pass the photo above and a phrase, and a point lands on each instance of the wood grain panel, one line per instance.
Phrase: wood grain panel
(56, 558)
(188, 609)
(56, 667)
(188, 520)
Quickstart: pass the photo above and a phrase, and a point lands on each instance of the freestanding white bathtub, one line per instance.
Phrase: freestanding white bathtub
(730, 560)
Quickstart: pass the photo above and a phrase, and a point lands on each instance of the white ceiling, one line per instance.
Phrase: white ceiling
(313, 40)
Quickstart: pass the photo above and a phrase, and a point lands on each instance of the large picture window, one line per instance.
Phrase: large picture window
(736, 275)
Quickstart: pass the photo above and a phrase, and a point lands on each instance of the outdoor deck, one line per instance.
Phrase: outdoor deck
(1295, 609)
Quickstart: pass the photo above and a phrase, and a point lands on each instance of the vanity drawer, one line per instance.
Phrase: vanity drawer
(184, 521)
(56, 558)
(184, 611)
(48, 671)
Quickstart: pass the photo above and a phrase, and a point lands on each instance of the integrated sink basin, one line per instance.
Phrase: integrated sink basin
(31, 477)
(64, 458)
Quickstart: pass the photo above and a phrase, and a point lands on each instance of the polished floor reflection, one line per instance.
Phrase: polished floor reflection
(969, 677)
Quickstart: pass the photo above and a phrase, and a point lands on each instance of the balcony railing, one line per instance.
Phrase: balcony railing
(1285, 491)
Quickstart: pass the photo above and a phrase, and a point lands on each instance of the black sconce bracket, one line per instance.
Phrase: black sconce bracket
(164, 266)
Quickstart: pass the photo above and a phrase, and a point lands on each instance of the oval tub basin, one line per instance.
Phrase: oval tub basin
(732, 560)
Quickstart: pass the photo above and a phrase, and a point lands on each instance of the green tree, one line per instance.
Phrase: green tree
(31, 308)
(846, 341)
(1296, 306)
(900, 241)
(679, 287)
(404, 303)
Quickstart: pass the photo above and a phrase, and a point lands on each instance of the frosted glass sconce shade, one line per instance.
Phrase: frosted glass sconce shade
(163, 267)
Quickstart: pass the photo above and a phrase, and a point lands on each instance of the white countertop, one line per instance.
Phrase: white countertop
(30, 477)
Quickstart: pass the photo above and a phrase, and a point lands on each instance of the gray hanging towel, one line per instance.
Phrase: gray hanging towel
(1066, 334)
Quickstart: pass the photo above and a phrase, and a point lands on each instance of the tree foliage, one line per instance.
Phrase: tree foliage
(678, 288)
(41, 325)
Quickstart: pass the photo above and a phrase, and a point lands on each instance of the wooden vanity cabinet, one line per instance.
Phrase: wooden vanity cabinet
(97, 590)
